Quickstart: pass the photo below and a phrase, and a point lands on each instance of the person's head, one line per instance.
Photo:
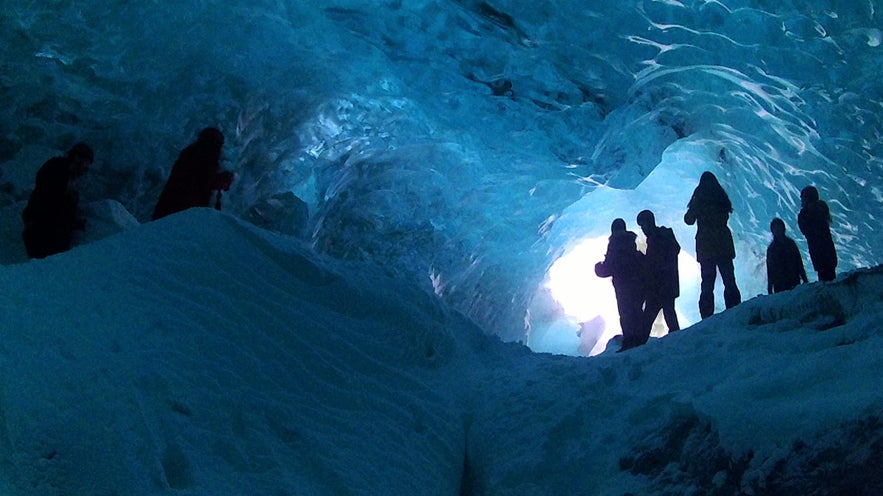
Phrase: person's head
(81, 157)
(808, 195)
(777, 227)
(646, 220)
(212, 135)
(708, 178)
(710, 192)
(618, 225)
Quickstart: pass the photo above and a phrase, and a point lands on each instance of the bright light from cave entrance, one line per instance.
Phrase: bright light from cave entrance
(589, 300)
(585, 297)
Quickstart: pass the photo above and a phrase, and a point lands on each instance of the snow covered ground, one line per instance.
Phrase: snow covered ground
(199, 355)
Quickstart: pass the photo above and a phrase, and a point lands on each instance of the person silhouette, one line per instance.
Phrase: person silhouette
(195, 175)
(784, 265)
(709, 208)
(625, 265)
(814, 221)
(663, 285)
(52, 213)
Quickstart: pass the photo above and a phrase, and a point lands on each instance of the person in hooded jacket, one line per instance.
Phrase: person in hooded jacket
(625, 265)
(814, 221)
(710, 208)
(663, 284)
(784, 265)
(195, 176)
(52, 213)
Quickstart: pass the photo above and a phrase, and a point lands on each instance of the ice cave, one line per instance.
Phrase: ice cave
(465, 145)
(477, 150)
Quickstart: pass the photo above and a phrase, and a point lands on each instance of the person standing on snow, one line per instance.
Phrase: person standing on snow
(625, 264)
(710, 209)
(814, 221)
(784, 265)
(663, 284)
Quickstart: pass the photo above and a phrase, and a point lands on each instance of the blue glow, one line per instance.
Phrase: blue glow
(392, 121)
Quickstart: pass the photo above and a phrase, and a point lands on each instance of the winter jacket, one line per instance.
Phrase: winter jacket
(784, 265)
(662, 263)
(194, 176)
(713, 238)
(624, 263)
(814, 221)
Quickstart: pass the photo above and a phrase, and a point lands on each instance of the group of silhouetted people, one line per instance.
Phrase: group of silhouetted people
(52, 216)
(646, 284)
(783, 261)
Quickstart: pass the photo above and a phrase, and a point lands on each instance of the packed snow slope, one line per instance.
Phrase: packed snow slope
(200, 355)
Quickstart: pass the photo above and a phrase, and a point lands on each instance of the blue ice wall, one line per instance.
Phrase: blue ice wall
(461, 143)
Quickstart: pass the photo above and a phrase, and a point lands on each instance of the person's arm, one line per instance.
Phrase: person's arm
(825, 213)
(602, 269)
(803, 273)
(798, 260)
(221, 181)
(801, 221)
(674, 246)
(690, 217)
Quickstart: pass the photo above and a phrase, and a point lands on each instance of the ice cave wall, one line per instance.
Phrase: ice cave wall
(460, 143)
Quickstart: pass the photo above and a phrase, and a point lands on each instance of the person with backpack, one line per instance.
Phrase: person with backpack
(625, 265)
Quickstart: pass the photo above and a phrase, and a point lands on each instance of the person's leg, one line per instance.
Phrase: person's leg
(39, 243)
(648, 316)
(732, 296)
(629, 318)
(628, 339)
(636, 320)
(670, 316)
(708, 272)
(30, 240)
(827, 274)
(56, 241)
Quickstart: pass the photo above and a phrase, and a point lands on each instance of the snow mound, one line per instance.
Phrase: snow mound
(201, 355)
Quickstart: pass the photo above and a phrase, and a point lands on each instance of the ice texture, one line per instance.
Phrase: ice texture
(461, 144)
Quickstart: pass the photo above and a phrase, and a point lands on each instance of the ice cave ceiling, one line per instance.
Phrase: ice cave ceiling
(462, 143)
